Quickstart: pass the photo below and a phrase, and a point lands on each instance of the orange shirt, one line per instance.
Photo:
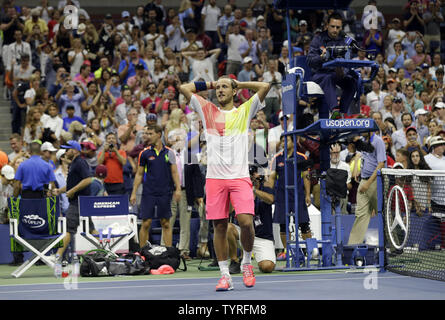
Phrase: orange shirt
(115, 171)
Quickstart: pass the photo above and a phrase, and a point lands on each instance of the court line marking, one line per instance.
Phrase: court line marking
(182, 285)
(138, 278)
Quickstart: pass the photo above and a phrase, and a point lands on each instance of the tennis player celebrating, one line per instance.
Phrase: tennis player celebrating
(228, 180)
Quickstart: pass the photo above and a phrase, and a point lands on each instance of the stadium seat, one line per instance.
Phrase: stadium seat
(35, 226)
(113, 236)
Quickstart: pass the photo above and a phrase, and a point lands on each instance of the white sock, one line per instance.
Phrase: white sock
(224, 268)
(247, 257)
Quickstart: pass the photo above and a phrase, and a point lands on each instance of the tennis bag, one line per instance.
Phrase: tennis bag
(156, 256)
(100, 262)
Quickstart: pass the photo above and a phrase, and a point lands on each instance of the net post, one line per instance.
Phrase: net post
(380, 197)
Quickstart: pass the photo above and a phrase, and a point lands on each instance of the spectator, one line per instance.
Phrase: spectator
(17, 147)
(126, 133)
(53, 122)
(35, 20)
(209, 15)
(395, 34)
(399, 137)
(374, 99)
(127, 66)
(201, 65)
(411, 102)
(264, 42)
(13, 52)
(373, 41)
(159, 72)
(397, 59)
(234, 41)
(413, 139)
(273, 98)
(6, 191)
(70, 98)
(76, 57)
(124, 107)
(9, 24)
(432, 19)
(421, 57)
(114, 159)
(274, 134)
(247, 73)
(223, 23)
(175, 33)
(249, 47)
(412, 20)
(436, 64)
(70, 118)
(33, 126)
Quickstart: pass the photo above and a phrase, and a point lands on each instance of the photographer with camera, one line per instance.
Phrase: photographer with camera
(15, 50)
(327, 45)
(263, 244)
(114, 159)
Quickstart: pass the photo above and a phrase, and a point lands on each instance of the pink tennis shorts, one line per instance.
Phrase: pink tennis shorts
(219, 192)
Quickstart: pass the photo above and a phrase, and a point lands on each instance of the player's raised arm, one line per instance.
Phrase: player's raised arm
(188, 89)
(261, 88)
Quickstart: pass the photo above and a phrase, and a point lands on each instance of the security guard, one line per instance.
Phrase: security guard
(34, 176)
(329, 78)
(158, 173)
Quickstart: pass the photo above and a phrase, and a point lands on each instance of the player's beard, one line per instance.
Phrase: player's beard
(225, 100)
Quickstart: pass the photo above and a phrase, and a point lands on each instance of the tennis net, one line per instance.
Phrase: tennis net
(414, 222)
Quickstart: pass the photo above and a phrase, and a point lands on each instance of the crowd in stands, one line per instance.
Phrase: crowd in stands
(101, 82)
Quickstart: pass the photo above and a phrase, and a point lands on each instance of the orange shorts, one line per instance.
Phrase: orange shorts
(220, 191)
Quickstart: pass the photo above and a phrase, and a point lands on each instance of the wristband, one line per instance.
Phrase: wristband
(200, 85)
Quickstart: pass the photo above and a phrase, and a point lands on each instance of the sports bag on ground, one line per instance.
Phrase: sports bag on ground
(156, 256)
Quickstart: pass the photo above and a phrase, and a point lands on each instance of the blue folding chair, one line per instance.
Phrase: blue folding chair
(35, 224)
(107, 206)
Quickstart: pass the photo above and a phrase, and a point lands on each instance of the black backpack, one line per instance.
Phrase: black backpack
(100, 262)
(156, 256)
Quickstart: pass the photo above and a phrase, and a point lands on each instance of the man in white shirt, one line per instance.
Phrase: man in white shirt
(53, 121)
(399, 137)
(233, 41)
(122, 109)
(202, 66)
(175, 34)
(15, 50)
(209, 17)
(274, 134)
(273, 98)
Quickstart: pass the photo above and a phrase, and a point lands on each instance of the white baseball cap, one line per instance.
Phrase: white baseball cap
(48, 146)
(60, 153)
(8, 172)
(420, 112)
(439, 105)
(247, 59)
